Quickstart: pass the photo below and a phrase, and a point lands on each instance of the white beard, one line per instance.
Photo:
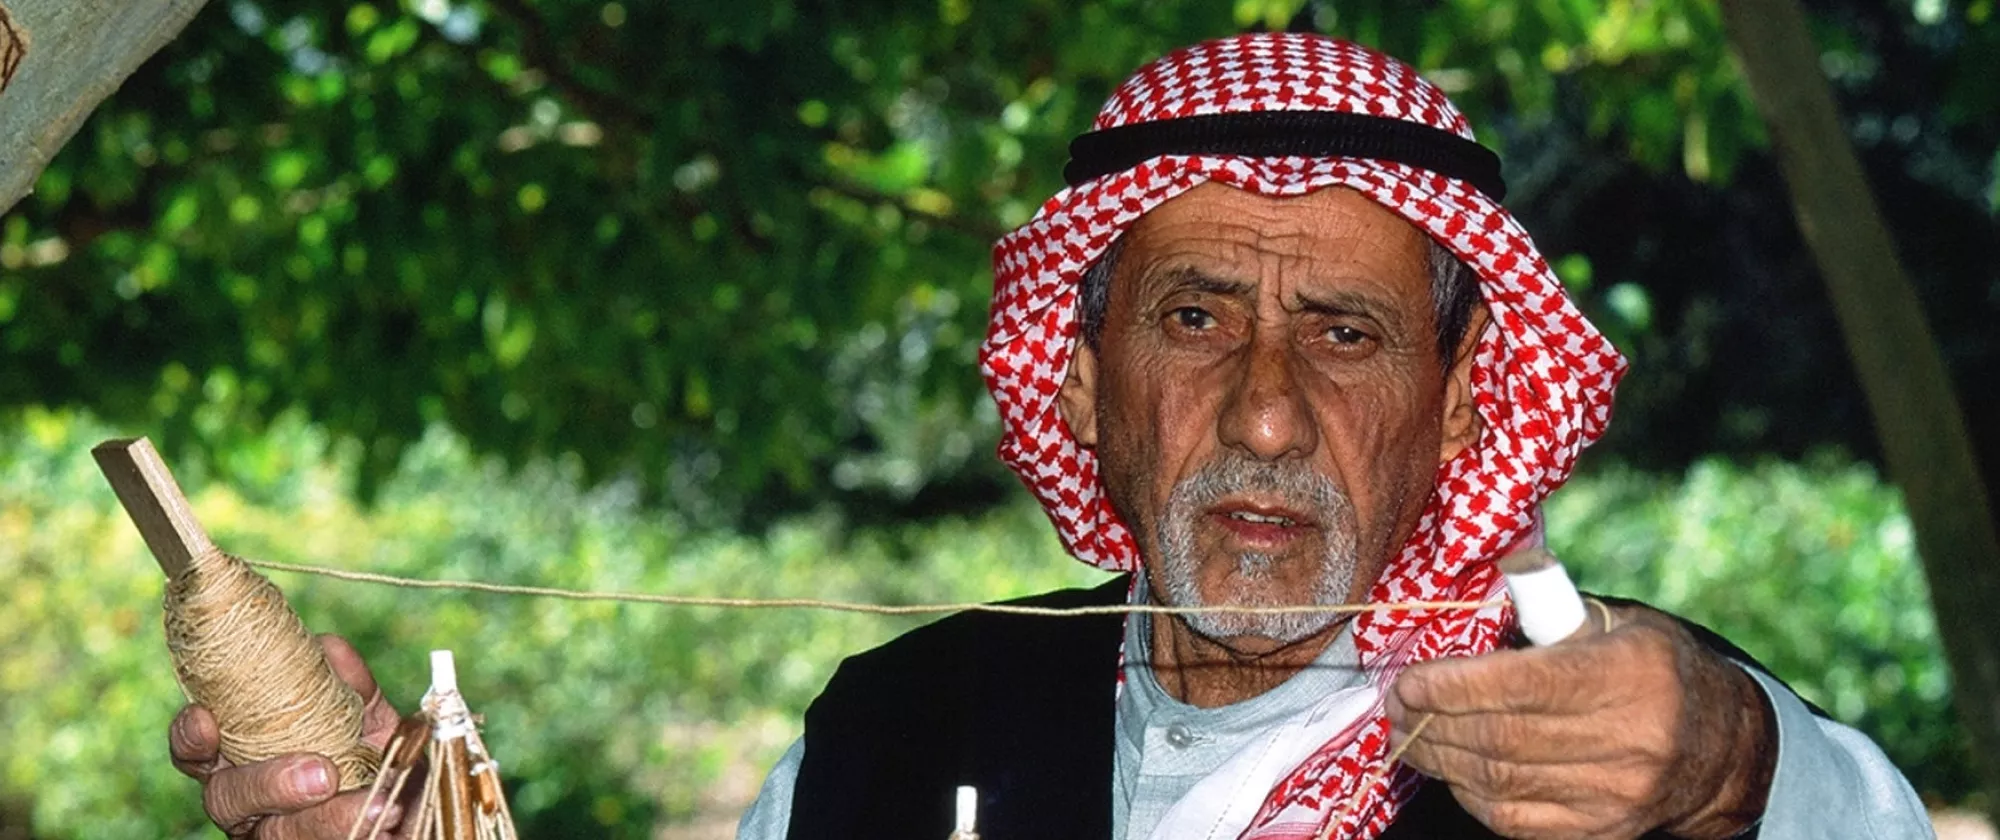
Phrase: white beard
(1175, 569)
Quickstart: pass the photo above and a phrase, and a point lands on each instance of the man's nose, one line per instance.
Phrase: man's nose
(1266, 414)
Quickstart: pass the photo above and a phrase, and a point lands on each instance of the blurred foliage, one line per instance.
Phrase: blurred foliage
(647, 235)
(612, 720)
(736, 252)
(1810, 567)
(608, 718)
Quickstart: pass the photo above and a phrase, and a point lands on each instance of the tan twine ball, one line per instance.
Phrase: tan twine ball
(239, 650)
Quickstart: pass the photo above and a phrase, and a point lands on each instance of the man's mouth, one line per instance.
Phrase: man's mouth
(1248, 516)
(1261, 527)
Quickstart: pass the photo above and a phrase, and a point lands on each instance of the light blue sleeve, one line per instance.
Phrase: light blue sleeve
(771, 815)
(1831, 781)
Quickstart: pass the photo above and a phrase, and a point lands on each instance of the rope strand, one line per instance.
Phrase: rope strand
(849, 606)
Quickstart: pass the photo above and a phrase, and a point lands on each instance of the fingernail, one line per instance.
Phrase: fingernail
(389, 819)
(312, 779)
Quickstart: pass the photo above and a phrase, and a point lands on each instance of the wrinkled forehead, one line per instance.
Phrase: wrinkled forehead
(1332, 235)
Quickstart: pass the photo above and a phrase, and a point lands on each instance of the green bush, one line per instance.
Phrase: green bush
(1811, 568)
(612, 720)
(608, 719)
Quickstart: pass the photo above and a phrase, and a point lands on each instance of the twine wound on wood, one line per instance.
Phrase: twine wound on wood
(237, 647)
(239, 650)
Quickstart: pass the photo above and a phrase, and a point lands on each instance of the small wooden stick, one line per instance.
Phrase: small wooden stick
(458, 817)
(154, 501)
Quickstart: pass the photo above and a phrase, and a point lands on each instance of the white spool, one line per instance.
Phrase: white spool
(1547, 604)
(444, 672)
(968, 811)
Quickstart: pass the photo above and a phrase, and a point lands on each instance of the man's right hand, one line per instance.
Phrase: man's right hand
(291, 797)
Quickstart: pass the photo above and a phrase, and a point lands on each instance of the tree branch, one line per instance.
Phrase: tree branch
(77, 53)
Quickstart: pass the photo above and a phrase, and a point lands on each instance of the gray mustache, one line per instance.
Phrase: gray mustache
(1291, 482)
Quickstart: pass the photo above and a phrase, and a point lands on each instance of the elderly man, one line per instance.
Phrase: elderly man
(1278, 344)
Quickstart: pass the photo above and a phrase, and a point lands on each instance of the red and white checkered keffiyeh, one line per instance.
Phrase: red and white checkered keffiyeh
(1543, 376)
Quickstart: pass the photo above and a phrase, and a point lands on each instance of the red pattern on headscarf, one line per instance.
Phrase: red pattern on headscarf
(1542, 380)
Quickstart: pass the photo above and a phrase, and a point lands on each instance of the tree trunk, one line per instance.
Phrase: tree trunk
(1917, 416)
(58, 60)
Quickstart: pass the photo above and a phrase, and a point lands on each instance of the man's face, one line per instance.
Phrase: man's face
(1266, 402)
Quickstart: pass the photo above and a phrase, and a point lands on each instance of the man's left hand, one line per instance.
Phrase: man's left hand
(1609, 734)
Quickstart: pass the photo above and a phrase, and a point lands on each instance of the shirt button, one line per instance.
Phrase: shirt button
(1179, 736)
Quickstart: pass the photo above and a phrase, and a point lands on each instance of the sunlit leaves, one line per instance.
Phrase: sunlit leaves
(1654, 74)
(695, 213)
(1266, 14)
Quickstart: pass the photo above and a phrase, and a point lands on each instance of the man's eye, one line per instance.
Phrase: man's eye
(1192, 317)
(1346, 335)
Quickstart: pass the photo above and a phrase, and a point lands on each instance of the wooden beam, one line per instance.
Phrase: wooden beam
(60, 59)
(154, 501)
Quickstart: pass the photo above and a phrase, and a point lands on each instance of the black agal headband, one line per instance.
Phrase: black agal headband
(1314, 134)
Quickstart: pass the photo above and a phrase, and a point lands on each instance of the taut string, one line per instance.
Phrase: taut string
(851, 606)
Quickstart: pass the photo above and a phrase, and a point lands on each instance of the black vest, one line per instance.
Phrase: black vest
(1021, 707)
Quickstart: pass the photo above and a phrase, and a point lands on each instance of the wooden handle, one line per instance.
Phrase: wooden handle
(154, 501)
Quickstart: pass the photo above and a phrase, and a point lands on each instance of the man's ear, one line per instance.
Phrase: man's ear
(1461, 415)
(1078, 399)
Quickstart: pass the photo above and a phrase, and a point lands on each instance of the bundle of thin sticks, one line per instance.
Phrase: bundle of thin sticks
(458, 796)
